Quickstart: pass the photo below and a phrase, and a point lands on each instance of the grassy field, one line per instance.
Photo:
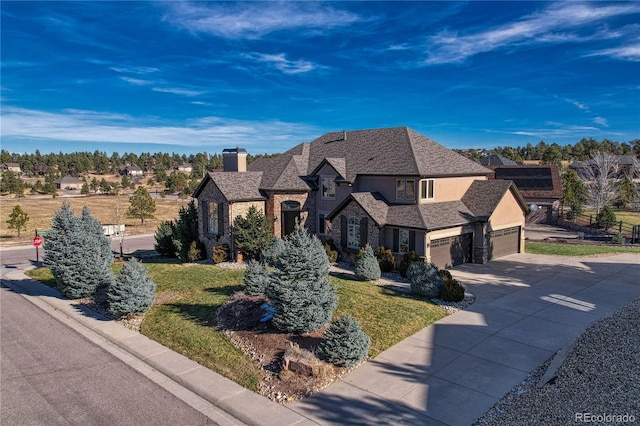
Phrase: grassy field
(576, 249)
(621, 215)
(103, 207)
(188, 296)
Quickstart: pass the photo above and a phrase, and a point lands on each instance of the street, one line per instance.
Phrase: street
(52, 375)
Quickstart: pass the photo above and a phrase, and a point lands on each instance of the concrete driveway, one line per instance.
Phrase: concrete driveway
(527, 307)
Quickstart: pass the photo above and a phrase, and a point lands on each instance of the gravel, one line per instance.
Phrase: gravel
(599, 381)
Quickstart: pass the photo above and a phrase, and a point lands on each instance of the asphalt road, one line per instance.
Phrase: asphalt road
(51, 375)
(21, 255)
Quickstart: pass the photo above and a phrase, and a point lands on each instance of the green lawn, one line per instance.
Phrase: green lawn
(576, 249)
(621, 215)
(190, 294)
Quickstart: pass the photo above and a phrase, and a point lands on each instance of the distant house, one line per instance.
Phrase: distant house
(11, 167)
(540, 186)
(496, 160)
(132, 171)
(184, 168)
(41, 169)
(626, 165)
(69, 182)
(384, 187)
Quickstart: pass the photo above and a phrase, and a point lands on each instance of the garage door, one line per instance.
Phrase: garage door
(504, 242)
(451, 251)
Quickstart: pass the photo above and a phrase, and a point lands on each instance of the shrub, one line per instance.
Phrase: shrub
(386, 260)
(424, 279)
(366, 267)
(252, 233)
(164, 239)
(256, 278)
(617, 238)
(299, 287)
(606, 218)
(452, 291)
(406, 260)
(132, 293)
(331, 250)
(445, 275)
(272, 252)
(344, 343)
(195, 251)
(220, 253)
(176, 238)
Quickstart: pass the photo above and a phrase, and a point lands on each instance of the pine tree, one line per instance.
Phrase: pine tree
(344, 342)
(142, 205)
(299, 288)
(97, 253)
(133, 292)
(256, 278)
(18, 219)
(367, 267)
(252, 233)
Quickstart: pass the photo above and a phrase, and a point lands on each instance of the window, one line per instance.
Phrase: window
(427, 189)
(405, 189)
(403, 236)
(213, 219)
(322, 223)
(328, 188)
(353, 233)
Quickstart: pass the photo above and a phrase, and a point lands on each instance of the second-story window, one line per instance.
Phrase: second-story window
(405, 189)
(328, 187)
(427, 189)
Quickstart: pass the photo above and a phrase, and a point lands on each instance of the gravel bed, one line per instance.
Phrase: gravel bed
(598, 383)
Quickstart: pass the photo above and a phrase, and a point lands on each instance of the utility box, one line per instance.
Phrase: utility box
(111, 230)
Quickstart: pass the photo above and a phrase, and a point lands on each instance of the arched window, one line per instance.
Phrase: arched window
(353, 233)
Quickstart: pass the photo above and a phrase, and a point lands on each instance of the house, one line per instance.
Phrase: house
(540, 186)
(496, 160)
(132, 171)
(625, 165)
(388, 187)
(184, 168)
(11, 167)
(69, 182)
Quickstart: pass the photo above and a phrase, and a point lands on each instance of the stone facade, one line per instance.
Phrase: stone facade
(375, 236)
(274, 211)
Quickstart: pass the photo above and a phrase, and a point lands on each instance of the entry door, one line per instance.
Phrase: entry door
(290, 216)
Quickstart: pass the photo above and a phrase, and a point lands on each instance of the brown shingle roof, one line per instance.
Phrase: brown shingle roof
(483, 196)
(234, 186)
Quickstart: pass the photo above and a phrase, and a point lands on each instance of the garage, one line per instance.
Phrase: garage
(451, 251)
(503, 242)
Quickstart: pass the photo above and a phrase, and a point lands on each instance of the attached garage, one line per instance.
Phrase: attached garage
(503, 242)
(451, 251)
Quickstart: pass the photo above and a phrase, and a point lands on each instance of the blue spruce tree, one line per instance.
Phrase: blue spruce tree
(132, 293)
(98, 256)
(367, 267)
(344, 342)
(300, 290)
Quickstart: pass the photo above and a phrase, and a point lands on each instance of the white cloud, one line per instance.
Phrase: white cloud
(601, 121)
(95, 127)
(625, 53)
(551, 25)
(178, 91)
(253, 20)
(134, 70)
(281, 63)
(136, 81)
(578, 104)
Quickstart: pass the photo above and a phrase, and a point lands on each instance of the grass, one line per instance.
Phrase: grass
(103, 208)
(576, 249)
(189, 296)
(621, 215)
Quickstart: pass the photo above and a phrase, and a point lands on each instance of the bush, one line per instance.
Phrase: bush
(424, 279)
(272, 252)
(445, 275)
(331, 250)
(366, 267)
(299, 287)
(406, 260)
(164, 239)
(606, 218)
(252, 233)
(195, 251)
(220, 253)
(256, 278)
(386, 259)
(617, 238)
(344, 343)
(452, 291)
(132, 293)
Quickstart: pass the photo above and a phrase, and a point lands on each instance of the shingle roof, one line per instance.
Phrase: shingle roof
(68, 180)
(234, 186)
(497, 160)
(483, 196)
(533, 181)
(389, 151)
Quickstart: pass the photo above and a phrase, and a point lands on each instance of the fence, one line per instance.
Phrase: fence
(629, 230)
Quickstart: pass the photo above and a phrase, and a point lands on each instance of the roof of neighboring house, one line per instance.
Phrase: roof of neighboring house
(185, 166)
(10, 164)
(496, 160)
(234, 186)
(533, 181)
(623, 160)
(390, 151)
(133, 168)
(478, 204)
(66, 180)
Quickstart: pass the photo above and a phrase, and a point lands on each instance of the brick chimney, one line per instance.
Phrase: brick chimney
(234, 159)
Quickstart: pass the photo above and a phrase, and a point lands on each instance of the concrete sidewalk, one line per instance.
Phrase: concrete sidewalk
(527, 307)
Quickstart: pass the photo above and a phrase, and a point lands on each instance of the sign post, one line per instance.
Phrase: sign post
(37, 242)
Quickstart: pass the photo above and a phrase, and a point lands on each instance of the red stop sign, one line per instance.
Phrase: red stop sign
(37, 241)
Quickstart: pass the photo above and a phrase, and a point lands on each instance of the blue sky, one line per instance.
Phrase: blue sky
(187, 77)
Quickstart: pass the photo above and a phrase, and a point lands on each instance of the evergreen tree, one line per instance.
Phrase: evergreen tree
(132, 293)
(344, 342)
(97, 254)
(574, 192)
(367, 267)
(299, 288)
(18, 219)
(164, 239)
(142, 205)
(252, 233)
(256, 278)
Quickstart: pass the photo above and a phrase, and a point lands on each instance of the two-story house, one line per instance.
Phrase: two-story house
(388, 187)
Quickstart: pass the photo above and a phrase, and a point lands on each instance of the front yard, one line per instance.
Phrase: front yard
(188, 296)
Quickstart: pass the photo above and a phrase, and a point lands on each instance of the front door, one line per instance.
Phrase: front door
(290, 216)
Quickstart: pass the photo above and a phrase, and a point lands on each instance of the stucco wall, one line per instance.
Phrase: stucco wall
(508, 213)
(241, 208)
(453, 188)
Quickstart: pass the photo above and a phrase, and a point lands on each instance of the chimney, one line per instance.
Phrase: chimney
(234, 159)
(344, 135)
